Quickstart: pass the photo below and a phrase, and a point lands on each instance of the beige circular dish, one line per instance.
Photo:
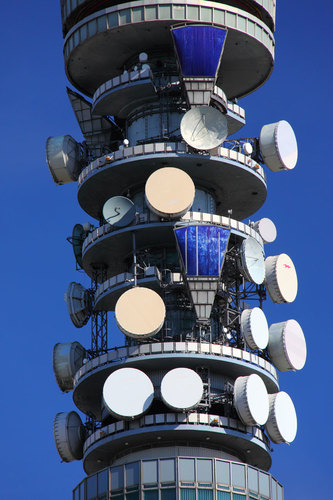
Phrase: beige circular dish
(140, 312)
(169, 192)
(281, 278)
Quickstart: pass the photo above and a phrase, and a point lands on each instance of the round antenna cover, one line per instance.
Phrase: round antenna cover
(204, 127)
(67, 360)
(251, 400)
(119, 211)
(278, 146)
(287, 346)
(281, 425)
(128, 393)
(252, 261)
(68, 432)
(78, 237)
(254, 328)
(247, 148)
(78, 303)
(267, 229)
(140, 313)
(169, 192)
(63, 159)
(181, 389)
(281, 278)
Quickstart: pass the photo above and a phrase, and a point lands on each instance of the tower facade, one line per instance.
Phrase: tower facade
(188, 406)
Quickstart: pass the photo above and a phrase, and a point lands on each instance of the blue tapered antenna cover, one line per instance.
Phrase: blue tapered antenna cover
(199, 49)
(202, 249)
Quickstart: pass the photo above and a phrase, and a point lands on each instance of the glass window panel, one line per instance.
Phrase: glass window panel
(132, 496)
(218, 16)
(250, 27)
(231, 19)
(223, 495)
(167, 470)
(70, 43)
(237, 496)
(76, 38)
(68, 5)
(273, 486)
(165, 12)
(238, 475)
(279, 492)
(193, 12)
(137, 14)
(206, 494)
(102, 482)
(187, 494)
(258, 32)
(125, 16)
(151, 12)
(92, 28)
(222, 472)
(132, 474)
(150, 495)
(168, 494)
(206, 14)
(83, 32)
(82, 490)
(101, 23)
(252, 477)
(76, 494)
(264, 484)
(91, 487)
(113, 19)
(204, 471)
(117, 478)
(179, 12)
(186, 469)
(241, 23)
(149, 471)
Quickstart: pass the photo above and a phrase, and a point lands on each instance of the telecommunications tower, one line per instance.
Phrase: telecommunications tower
(188, 406)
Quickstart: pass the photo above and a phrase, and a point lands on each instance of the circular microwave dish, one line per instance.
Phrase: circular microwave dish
(169, 192)
(63, 159)
(281, 425)
(78, 304)
(181, 389)
(251, 400)
(204, 127)
(266, 229)
(252, 259)
(281, 278)
(128, 393)
(278, 146)
(119, 211)
(140, 313)
(68, 432)
(254, 328)
(67, 360)
(287, 345)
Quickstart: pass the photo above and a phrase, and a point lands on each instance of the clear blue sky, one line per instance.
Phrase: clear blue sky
(37, 262)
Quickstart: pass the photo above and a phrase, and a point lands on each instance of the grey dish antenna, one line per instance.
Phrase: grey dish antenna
(78, 237)
(67, 360)
(79, 304)
(204, 127)
(278, 146)
(63, 158)
(68, 432)
(119, 211)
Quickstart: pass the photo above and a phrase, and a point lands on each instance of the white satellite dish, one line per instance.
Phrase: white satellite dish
(128, 393)
(140, 313)
(252, 261)
(278, 146)
(251, 400)
(254, 328)
(247, 148)
(169, 192)
(287, 346)
(63, 159)
(68, 432)
(67, 360)
(266, 228)
(281, 425)
(78, 303)
(119, 211)
(204, 127)
(181, 389)
(281, 278)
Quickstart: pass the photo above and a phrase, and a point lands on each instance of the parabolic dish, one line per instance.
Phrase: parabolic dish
(128, 393)
(254, 328)
(266, 228)
(78, 237)
(169, 192)
(140, 312)
(119, 211)
(252, 261)
(67, 359)
(78, 303)
(281, 425)
(278, 146)
(181, 389)
(68, 432)
(204, 127)
(63, 160)
(287, 346)
(281, 278)
(251, 400)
